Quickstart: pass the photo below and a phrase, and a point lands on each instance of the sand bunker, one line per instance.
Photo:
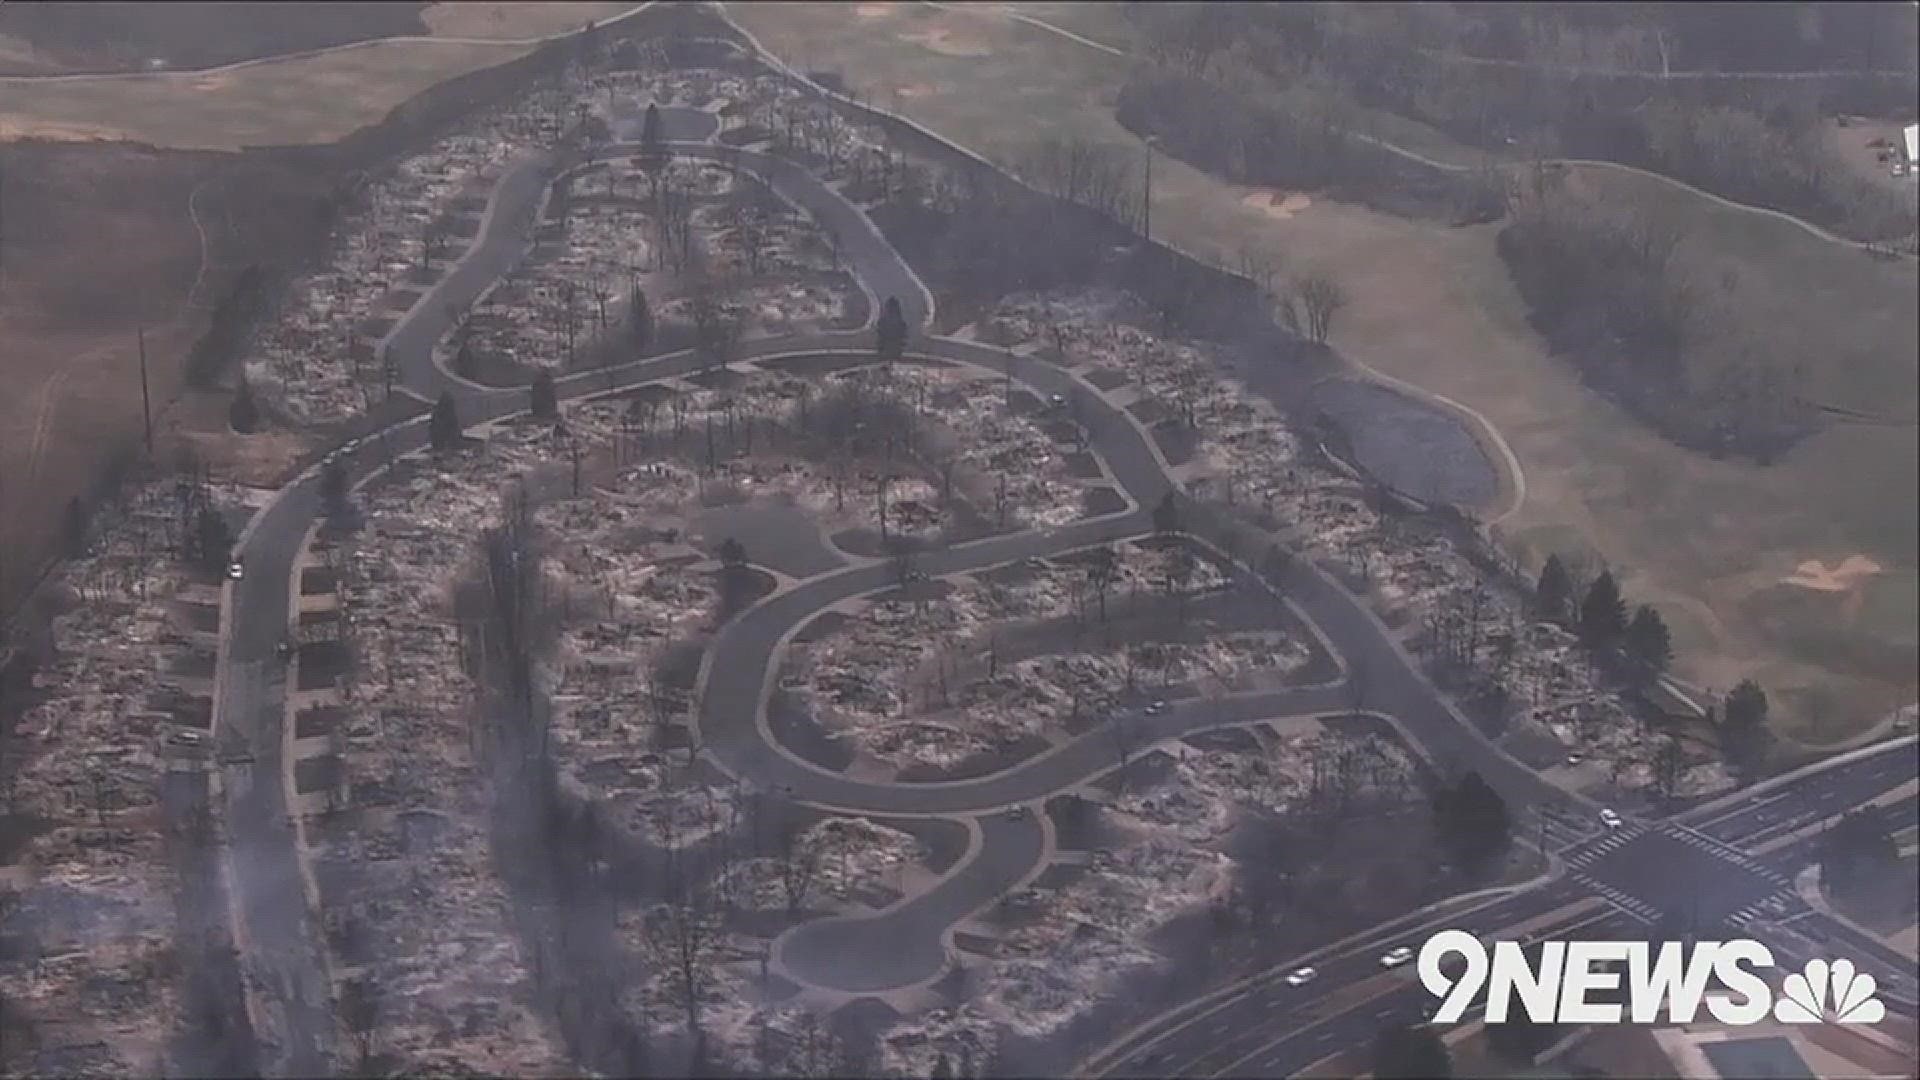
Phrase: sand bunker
(1816, 574)
(12, 128)
(1279, 204)
(940, 39)
(915, 91)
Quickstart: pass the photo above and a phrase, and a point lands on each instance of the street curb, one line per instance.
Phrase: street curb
(290, 793)
(1707, 809)
(216, 804)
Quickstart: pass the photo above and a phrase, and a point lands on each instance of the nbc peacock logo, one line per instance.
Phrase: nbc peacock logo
(1828, 992)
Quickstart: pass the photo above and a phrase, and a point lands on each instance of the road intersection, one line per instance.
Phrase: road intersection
(910, 942)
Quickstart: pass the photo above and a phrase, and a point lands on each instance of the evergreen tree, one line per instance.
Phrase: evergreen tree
(74, 528)
(890, 332)
(443, 429)
(466, 363)
(639, 320)
(244, 413)
(653, 148)
(1603, 614)
(1166, 515)
(1743, 724)
(544, 404)
(1746, 707)
(213, 541)
(1857, 854)
(1518, 1038)
(1472, 822)
(333, 489)
(1403, 1052)
(1648, 642)
(1555, 589)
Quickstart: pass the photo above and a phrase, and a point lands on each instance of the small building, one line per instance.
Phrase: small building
(1671, 703)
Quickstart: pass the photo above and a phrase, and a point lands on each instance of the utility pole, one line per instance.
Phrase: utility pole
(146, 401)
(1146, 201)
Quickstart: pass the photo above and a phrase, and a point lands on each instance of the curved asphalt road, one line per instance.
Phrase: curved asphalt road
(905, 944)
(275, 925)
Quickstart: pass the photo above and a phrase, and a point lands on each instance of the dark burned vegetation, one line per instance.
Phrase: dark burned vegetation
(1550, 82)
(1283, 95)
(1298, 137)
(1614, 291)
(981, 236)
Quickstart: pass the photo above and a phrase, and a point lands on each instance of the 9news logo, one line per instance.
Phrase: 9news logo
(1672, 982)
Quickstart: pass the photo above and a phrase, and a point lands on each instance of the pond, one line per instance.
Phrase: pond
(1417, 449)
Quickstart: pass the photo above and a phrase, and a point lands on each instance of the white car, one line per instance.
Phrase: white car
(1156, 708)
(1396, 956)
(236, 569)
(1610, 819)
(1301, 976)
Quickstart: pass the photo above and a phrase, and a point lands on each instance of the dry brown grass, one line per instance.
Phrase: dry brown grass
(19, 55)
(319, 99)
(1707, 541)
(101, 243)
(515, 20)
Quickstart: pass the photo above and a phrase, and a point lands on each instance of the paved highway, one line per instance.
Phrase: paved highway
(1270, 1029)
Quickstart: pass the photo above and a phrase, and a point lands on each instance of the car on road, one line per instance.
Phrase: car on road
(1609, 818)
(1155, 708)
(1014, 813)
(1576, 758)
(917, 575)
(236, 569)
(1301, 976)
(1057, 400)
(187, 737)
(1396, 956)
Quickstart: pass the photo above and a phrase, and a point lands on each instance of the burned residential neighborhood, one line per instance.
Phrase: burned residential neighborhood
(952, 540)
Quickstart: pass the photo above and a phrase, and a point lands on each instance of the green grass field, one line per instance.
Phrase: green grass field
(1707, 541)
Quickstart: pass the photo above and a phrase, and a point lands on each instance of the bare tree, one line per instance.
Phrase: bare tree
(1123, 743)
(682, 934)
(1260, 266)
(900, 558)
(1095, 175)
(1103, 568)
(360, 1012)
(716, 330)
(1320, 298)
(1182, 567)
(799, 869)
